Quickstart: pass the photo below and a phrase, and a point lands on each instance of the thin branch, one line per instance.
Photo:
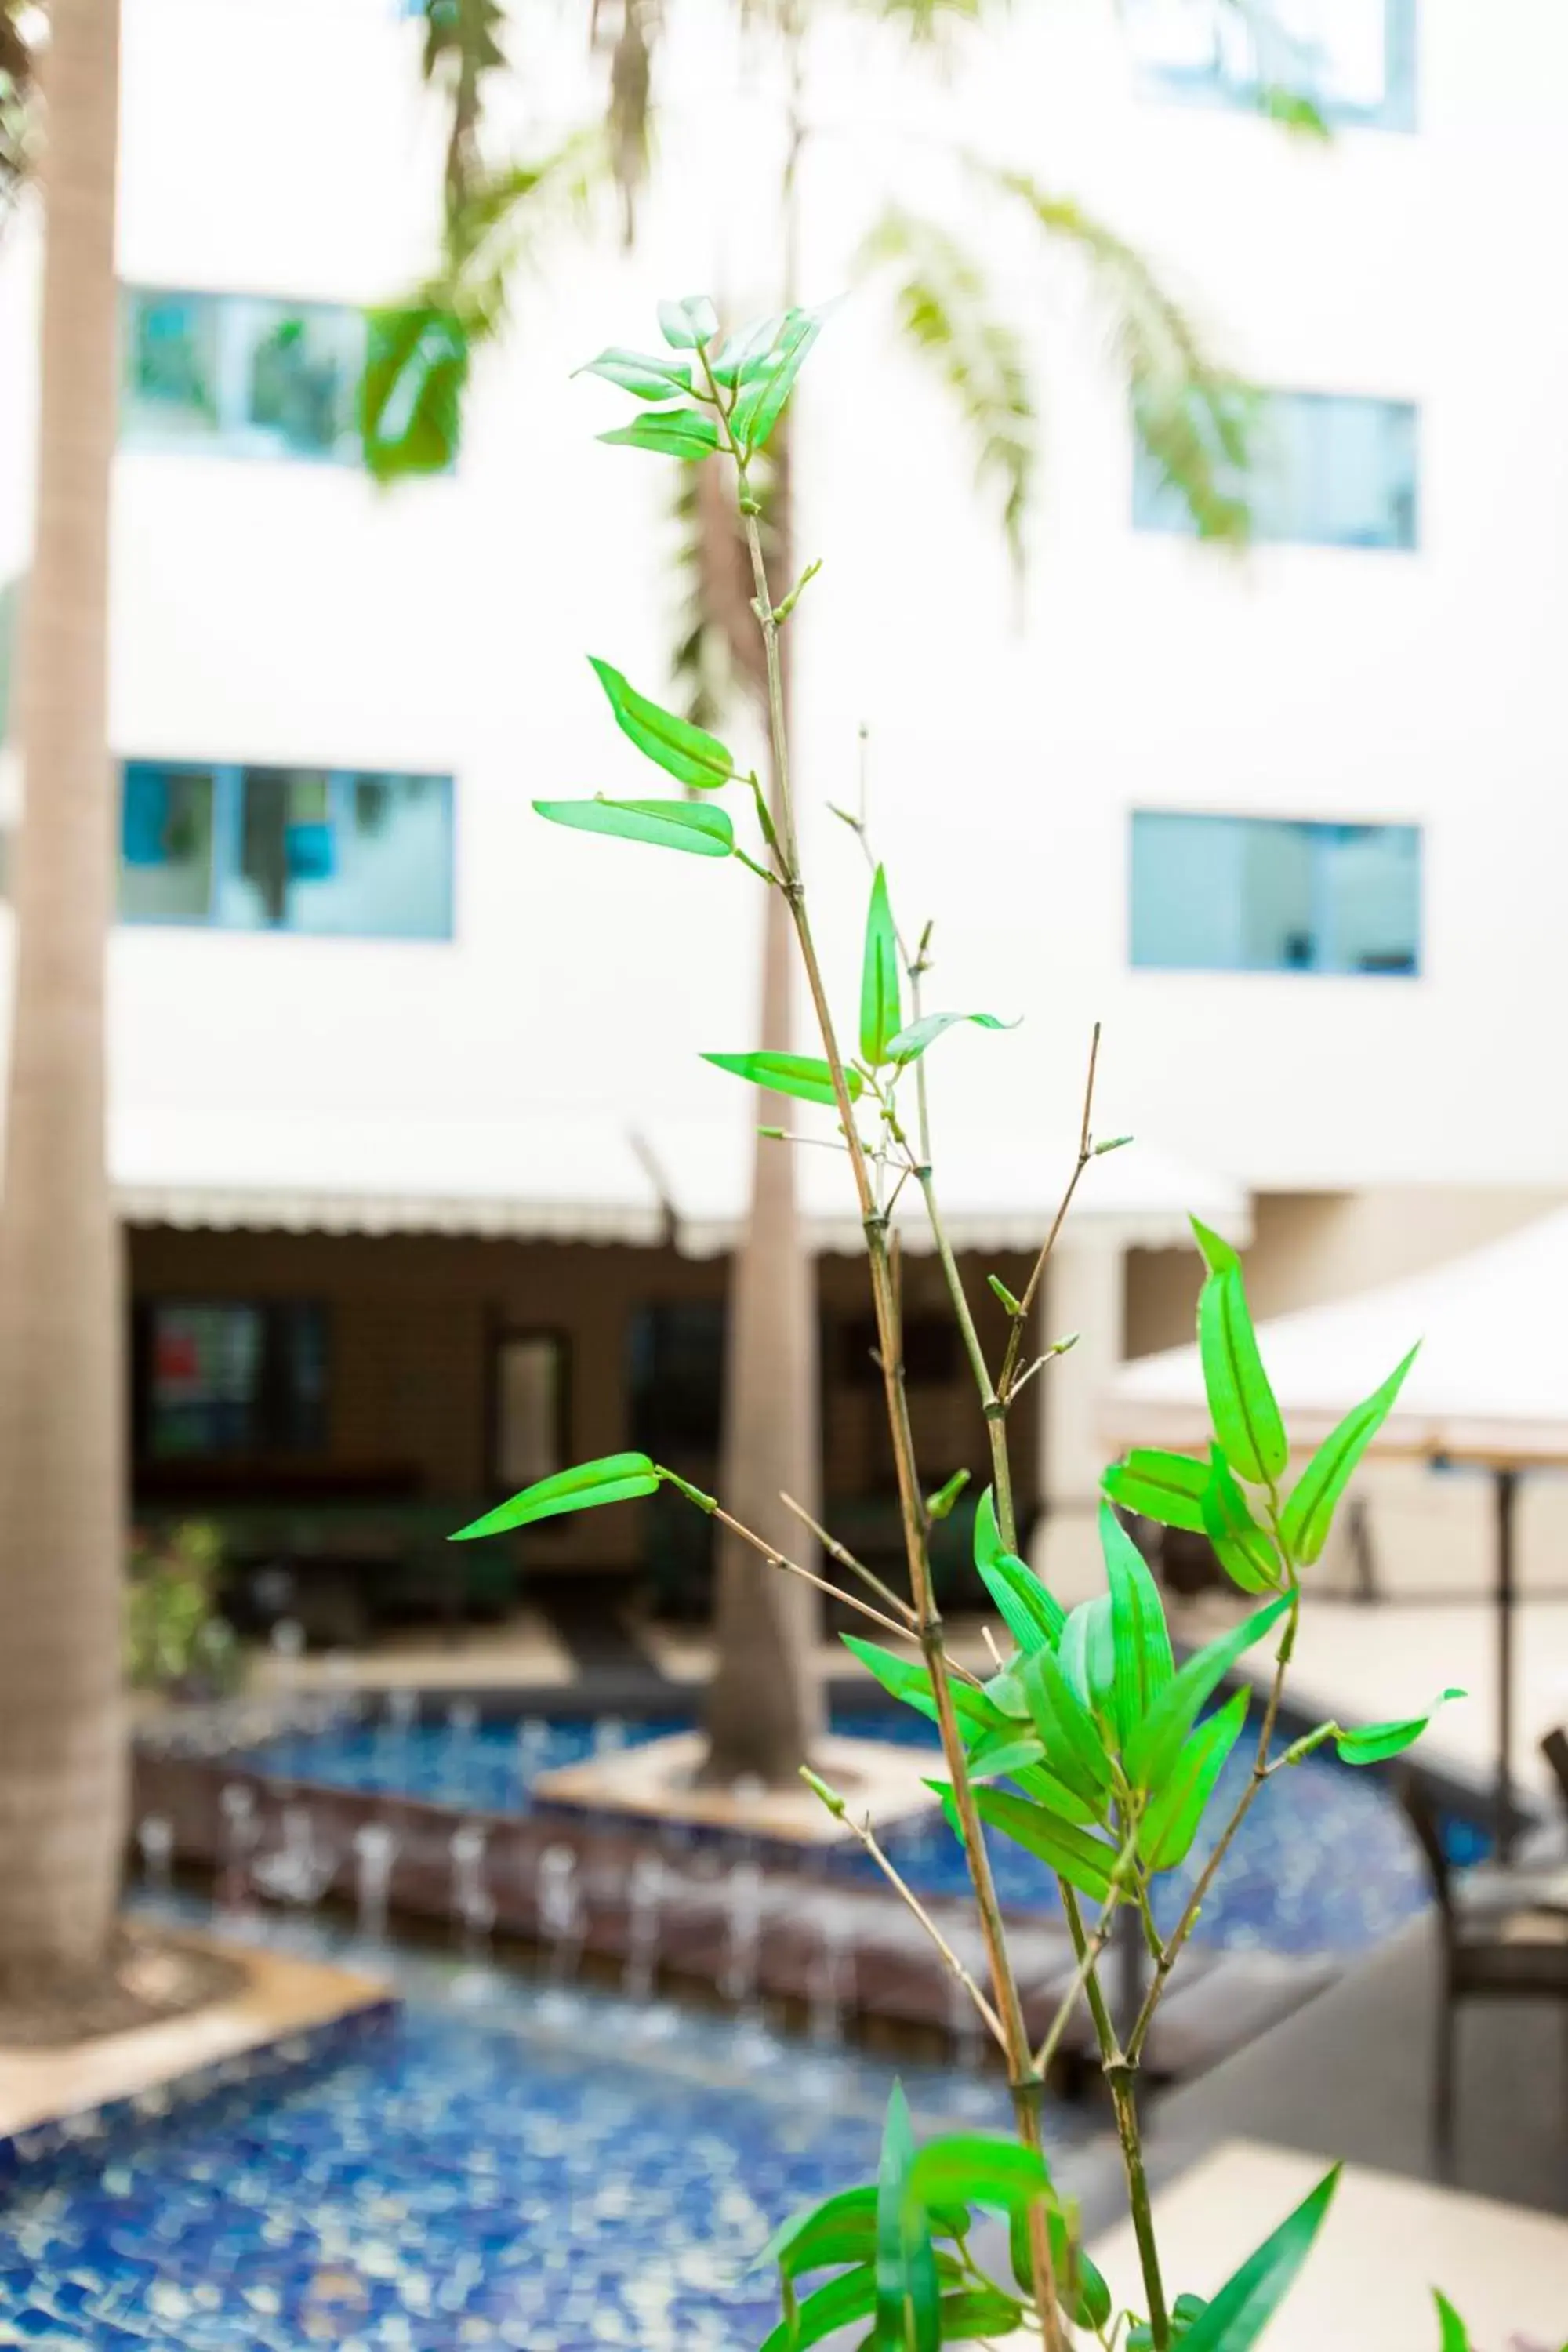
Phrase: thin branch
(867, 1836)
(1094, 1944)
(846, 1558)
(1189, 1918)
(1007, 1386)
(776, 1559)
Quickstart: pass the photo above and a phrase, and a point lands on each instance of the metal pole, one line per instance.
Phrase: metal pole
(1507, 1488)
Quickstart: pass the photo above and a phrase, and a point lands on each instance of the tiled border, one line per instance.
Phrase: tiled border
(39, 2155)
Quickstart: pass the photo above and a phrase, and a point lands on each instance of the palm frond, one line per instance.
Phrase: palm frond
(420, 350)
(943, 304)
(1191, 418)
(17, 95)
(628, 119)
(462, 45)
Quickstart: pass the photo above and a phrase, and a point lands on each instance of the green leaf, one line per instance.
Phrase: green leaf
(911, 1044)
(1152, 1752)
(411, 392)
(759, 408)
(1186, 2313)
(908, 2295)
(668, 432)
(1085, 1861)
(688, 323)
(1143, 1666)
(1308, 1515)
(1374, 1742)
(1083, 2290)
(1239, 2313)
(1086, 1654)
(1014, 1306)
(905, 1680)
(843, 2228)
(978, 2314)
(1011, 1754)
(978, 2169)
(669, 825)
(745, 355)
(687, 754)
(1033, 1616)
(1241, 1403)
(613, 1479)
(1456, 2334)
(1244, 1549)
(850, 2297)
(1166, 1831)
(1067, 1731)
(1165, 1487)
(1218, 1255)
(881, 1012)
(649, 377)
(802, 1075)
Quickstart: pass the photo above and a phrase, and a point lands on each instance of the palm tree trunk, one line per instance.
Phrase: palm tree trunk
(765, 1708)
(61, 1735)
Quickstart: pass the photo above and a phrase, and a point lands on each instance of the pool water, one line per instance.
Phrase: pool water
(457, 2178)
(1324, 1864)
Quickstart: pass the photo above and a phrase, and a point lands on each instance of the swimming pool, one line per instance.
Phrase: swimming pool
(464, 2175)
(1323, 1865)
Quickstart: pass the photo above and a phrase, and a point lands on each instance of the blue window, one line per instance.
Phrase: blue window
(1354, 60)
(242, 374)
(341, 855)
(1270, 894)
(1324, 470)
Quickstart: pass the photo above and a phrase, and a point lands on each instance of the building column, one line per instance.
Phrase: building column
(1083, 1293)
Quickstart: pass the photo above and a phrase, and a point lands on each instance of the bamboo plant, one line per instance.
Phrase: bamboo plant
(1090, 1747)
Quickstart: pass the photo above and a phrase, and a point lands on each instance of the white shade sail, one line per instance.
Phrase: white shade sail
(1491, 1383)
(572, 1175)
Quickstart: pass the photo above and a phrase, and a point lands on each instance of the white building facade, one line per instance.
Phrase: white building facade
(427, 1182)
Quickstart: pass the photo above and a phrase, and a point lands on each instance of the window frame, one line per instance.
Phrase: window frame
(1157, 513)
(1399, 112)
(1318, 825)
(234, 432)
(270, 1309)
(225, 856)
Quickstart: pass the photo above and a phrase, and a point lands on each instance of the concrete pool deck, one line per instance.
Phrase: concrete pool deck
(1385, 2245)
(281, 1998)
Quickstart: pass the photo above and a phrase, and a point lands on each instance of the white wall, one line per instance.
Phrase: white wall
(270, 611)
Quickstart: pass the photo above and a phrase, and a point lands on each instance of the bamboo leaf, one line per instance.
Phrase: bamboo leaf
(1085, 2296)
(1013, 1755)
(639, 373)
(940, 1505)
(850, 2297)
(687, 754)
(1308, 1515)
(1237, 2318)
(978, 2314)
(910, 1042)
(1241, 1403)
(669, 432)
(1375, 1742)
(1166, 1831)
(976, 2169)
(1244, 1550)
(669, 825)
(881, 1012)
(905, 1679)
(1142, 1664)
(1151, 1753)
(1217, 1254)
(1032, 1615)
(908, 2294)
(1084, 1861)
(613, 1479)
(1067, 1731)
(802, 1075)
(1165, 1487)
(759, 408)
(688, 323)
(1456, 2334)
